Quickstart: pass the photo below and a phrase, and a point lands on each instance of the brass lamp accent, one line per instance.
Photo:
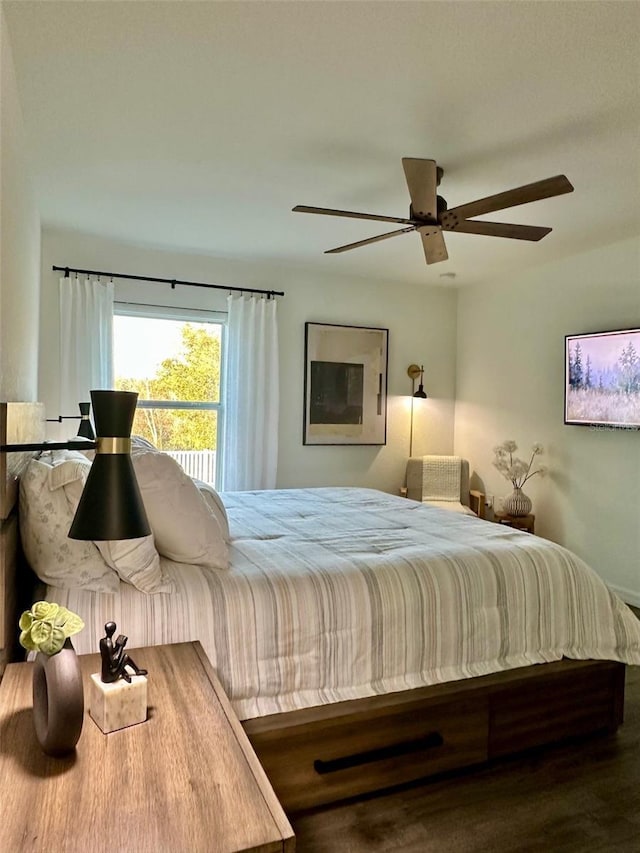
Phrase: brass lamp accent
(111, 505)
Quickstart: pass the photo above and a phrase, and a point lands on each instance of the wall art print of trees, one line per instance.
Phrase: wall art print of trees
(603, 379)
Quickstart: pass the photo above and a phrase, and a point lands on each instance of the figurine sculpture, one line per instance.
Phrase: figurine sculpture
(114, 658)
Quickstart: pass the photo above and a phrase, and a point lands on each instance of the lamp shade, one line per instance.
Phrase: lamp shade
(111, 505)
(85, 430)
(420, 393)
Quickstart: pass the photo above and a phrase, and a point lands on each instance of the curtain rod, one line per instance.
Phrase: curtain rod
(172, 281)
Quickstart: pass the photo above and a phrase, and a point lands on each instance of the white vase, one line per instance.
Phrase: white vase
(517, 503)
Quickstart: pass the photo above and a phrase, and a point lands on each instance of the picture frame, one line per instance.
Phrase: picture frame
(345, 384)
(602, 379)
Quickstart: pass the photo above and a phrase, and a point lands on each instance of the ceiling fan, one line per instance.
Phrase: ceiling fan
(428, 214)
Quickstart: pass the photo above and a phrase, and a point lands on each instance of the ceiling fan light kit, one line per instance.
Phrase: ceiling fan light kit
(429, 216)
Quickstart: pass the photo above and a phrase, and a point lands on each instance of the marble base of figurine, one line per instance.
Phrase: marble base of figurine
(119, 704)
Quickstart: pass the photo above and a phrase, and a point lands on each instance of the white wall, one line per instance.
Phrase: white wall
(20, 251)
(510, 384)
(421, 329)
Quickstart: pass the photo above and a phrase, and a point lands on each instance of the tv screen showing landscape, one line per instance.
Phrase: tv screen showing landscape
(602, 379)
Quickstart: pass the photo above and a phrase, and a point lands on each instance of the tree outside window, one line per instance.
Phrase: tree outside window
(174, 365)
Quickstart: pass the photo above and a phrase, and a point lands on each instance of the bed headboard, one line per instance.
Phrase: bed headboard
(19, 423)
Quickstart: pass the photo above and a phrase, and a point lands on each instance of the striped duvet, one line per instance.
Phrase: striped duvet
(342, 593)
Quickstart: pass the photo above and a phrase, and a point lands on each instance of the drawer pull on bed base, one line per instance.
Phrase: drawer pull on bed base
(430, 741)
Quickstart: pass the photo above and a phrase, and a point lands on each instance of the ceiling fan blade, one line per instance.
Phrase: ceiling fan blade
(511, 198)
(422, 181)
(327, 211)
(433, 244)
(369, 240)
(498, 229)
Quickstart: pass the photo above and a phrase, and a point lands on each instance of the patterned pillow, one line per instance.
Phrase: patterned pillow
(135, 560)
(45, 519)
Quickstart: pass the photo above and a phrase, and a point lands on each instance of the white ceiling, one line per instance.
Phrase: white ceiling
(198, 125)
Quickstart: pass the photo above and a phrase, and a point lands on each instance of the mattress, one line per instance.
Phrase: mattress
(343, 593)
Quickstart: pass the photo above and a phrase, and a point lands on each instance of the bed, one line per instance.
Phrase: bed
(366, 640)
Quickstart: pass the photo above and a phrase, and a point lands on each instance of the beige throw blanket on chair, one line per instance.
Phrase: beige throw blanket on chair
(441, 478)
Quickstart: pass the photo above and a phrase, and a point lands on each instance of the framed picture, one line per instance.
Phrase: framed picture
(345, 384)
(602, 379)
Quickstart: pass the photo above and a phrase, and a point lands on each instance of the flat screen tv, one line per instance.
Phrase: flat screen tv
(602, 379)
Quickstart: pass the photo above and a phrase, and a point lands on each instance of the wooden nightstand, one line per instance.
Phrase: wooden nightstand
(518, 522)
(186, 779)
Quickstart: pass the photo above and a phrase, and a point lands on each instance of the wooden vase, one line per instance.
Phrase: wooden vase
(58, 700)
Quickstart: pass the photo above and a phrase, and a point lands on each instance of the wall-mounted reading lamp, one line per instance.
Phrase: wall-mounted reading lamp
(414, 371)
(111, 505)
(85, 430)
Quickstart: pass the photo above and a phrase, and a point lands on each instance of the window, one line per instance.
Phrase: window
(173, 358)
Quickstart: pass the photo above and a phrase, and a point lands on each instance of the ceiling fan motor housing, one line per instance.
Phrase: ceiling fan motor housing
(428, 217)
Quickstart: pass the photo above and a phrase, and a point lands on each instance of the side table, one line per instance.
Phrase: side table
(518, 522)
(186, 779)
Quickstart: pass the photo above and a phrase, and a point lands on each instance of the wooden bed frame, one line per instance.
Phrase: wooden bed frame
(319, 755)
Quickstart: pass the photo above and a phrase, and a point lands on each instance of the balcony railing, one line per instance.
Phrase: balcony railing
(200, 464)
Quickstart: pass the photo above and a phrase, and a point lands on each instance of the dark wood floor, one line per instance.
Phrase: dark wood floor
(582, 797)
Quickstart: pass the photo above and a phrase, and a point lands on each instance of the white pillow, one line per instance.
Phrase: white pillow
(45, 519)
(216, 505)
(67, 466)
(184, 528)
(140, 443)
(135, 560)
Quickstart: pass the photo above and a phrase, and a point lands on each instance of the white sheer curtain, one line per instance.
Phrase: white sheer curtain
(250, 435)
(86, 340)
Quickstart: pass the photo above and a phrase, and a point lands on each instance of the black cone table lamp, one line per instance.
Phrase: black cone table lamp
(111, 505)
